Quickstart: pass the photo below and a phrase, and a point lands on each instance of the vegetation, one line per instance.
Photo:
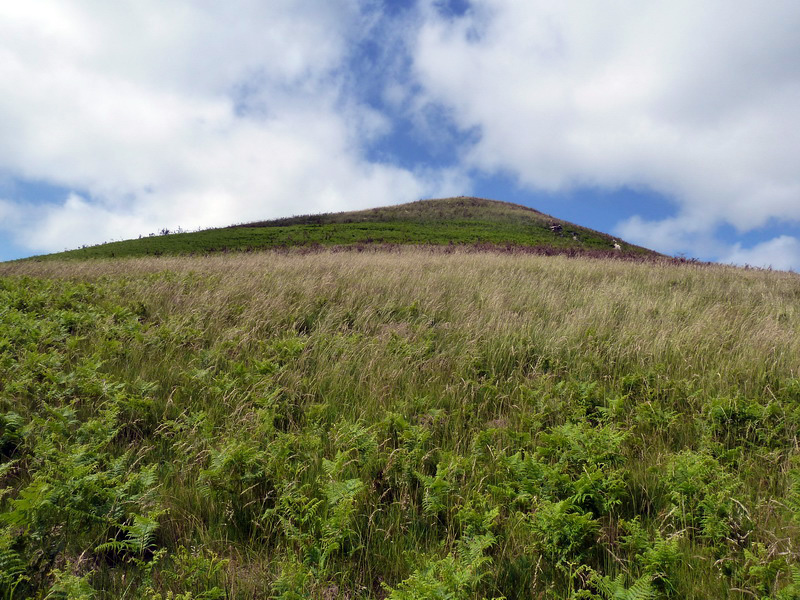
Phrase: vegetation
(402, 425)
(448, 221)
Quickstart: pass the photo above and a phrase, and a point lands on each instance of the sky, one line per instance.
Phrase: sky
(673, 125)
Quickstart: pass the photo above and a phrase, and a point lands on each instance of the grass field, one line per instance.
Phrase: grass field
(459, 221)
(407, 425)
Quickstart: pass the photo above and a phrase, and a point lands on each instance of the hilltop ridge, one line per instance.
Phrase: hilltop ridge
(462, 220)
(455, 208)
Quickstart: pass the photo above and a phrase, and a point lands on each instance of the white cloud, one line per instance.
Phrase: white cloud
(676, 235)
(186, 114)
(695, 100)
(782, 253)
(200, 113)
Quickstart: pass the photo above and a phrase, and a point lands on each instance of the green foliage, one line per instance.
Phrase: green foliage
(793, 495)
(703, 496)
(11, 436)
(67, 586)
(563, 533)
(662, 559)
(196, 574)
(738, 421)
(761, 570)
(615, 589)
(13, 567)
(791, 591)
(457, 575)
(410, 426)
(238, 479)
(139, 536)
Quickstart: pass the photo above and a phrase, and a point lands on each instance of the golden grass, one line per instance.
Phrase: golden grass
(729, 326)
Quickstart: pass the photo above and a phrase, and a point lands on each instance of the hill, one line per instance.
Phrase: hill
(459, 221)
(410, 424)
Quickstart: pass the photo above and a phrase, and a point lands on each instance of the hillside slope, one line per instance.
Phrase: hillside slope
(461, 220)
(398, 425)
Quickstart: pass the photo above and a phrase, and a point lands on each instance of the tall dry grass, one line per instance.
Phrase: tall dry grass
(730, 327)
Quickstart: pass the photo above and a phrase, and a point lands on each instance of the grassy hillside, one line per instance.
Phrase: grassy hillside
(401, 425)
(447, 221)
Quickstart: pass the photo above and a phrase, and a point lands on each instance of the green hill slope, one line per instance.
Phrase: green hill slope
(402, 425)
(461, 220)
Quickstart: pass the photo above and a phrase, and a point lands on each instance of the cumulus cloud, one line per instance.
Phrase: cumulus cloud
(694, 100)
(675, 235)
(198, 114)
(186, 114)
(782, 252)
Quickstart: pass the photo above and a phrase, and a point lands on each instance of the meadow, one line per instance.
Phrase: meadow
(413, 424)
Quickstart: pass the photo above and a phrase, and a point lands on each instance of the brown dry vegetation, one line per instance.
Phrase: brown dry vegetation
(691, 318)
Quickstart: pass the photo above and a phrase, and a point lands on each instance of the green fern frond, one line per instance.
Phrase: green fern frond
(615, 589)
(12, 568)
(140, 536)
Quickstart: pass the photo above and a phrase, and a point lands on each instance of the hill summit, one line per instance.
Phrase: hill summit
(460, 220)
(442, 209)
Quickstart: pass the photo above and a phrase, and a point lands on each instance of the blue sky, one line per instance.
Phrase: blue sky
(672, 125)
